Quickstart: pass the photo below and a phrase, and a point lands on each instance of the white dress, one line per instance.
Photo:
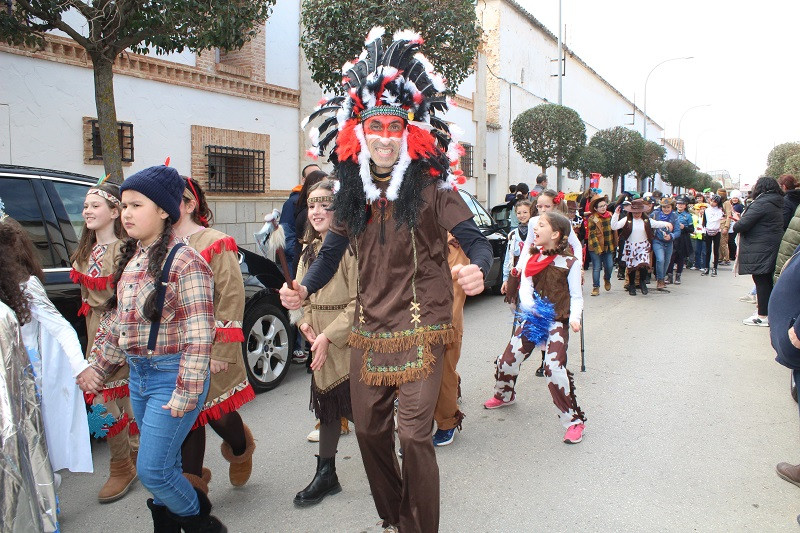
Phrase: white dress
(57, 357)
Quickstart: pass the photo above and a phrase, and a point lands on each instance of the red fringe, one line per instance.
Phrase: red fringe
(421, 144)
(116, 392)
(84, 310)
(133, 428)
(88, 397)
(347, 144)
(118, 426)
(229, 335)
(93, 284)
(227, 406)
(222, 245)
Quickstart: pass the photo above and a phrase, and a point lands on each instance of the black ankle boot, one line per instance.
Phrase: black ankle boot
(677, 279)
(643, 282)
(202, 522)
(325, 482)
(632, 283)
(162, 521)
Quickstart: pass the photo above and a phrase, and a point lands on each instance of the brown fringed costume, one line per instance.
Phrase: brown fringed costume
(330, 311)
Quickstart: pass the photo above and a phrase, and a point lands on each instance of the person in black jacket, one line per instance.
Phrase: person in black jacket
(761, 228)
(791, 199)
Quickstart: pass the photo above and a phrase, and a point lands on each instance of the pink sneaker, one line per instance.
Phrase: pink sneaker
(494, 403)
(574, 434)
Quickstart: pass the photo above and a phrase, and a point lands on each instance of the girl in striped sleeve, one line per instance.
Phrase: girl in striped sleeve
(93, 269)
(229, 387)
(163, 326)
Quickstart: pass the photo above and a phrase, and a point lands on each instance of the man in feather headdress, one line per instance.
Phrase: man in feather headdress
(394, 159)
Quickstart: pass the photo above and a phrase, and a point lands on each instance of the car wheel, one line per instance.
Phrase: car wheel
(267, 347)
(793, 387)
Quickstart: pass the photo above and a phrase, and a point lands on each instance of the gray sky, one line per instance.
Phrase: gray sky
(745, 65)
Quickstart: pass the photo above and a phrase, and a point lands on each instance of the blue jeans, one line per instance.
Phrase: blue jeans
(601, 261)
(663, 253)
(152, 380)
(699, 253)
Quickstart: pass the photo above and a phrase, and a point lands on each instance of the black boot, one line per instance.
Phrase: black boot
(704, 272)
(632, 282)
(162, 520)
(677, 279)
(643, 282)
(669, 279)
(621, 273)
(325, 482)
(713, 272)
(202, 522)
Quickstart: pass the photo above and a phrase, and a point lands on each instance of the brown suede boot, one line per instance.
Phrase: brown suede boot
(197, 482)
(241, 465)
(206, 476)
(790, 473)
(122, 471)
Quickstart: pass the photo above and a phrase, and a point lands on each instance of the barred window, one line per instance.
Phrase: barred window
(235, 169)
(125, 135)
(466, 161)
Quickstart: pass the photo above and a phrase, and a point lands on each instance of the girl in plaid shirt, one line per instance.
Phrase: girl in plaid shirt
(166, 339)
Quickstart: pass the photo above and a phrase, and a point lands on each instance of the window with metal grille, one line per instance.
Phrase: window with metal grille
(125, 134)
(466, 160)
(235, 169)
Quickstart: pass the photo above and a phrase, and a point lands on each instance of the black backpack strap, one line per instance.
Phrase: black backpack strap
(161, 294)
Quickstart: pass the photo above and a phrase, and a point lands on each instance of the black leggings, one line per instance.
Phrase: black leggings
(229, 426)
(709, 241)
(763, 290)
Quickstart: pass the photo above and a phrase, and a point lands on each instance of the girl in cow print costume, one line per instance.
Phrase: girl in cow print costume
(550, 297)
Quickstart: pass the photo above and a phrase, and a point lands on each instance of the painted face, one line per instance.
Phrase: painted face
(318, 214)
(97, 213)
(384, 136)
(141, 217)
(523, 214)
(544, 204)
(544, 236)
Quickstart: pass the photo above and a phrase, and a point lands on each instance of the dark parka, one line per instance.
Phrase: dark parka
(790, 203)
(790, 241)
(760, 230)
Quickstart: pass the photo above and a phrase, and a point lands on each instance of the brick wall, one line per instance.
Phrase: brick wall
(242, 217)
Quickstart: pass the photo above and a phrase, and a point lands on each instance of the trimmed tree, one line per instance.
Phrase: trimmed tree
(648, 160)
(588, 160)
(450, 29)
(792, 165)
(109, 28)
(702, 181)
(549, 134)
(678, 173)
(617, 146)
(776, 160)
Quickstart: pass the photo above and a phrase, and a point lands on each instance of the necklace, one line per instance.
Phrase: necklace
(381, 177)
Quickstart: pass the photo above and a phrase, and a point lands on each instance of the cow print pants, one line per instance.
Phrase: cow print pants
(559, 379)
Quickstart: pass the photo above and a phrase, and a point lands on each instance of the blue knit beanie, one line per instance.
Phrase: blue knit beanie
(163, 185)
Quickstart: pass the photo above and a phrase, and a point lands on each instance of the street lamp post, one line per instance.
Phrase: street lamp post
(683, 148)
(644, 129)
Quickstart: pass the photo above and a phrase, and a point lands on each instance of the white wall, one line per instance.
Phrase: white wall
(283, 45)
(47, 101)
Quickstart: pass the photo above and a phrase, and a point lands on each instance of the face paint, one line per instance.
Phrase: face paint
(384, 136)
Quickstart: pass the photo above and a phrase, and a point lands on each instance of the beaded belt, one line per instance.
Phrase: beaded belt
(338, 307)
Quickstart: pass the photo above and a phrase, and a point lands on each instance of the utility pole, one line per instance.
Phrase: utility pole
(560, 83)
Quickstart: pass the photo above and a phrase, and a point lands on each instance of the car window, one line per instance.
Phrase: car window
(479, 214)
(72, 197)
(20, 203)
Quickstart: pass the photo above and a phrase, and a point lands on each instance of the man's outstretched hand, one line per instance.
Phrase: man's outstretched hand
(293, 298)
(469, 277)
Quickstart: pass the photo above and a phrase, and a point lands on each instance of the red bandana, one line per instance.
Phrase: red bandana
(535, 266)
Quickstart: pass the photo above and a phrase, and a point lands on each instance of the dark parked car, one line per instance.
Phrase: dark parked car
(48, 204)
(497, 236)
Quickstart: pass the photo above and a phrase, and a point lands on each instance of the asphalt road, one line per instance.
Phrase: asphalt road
(688, 414)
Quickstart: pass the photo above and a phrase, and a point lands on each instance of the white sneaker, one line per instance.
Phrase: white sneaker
(313, 436)
(756, 320)
(748, 298)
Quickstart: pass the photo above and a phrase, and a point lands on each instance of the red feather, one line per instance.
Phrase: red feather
(421, 144)
(347, 144)
(166, 162)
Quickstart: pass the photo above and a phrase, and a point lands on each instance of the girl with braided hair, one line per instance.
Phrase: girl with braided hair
(163, 326)
(93, 264)
(550, 297)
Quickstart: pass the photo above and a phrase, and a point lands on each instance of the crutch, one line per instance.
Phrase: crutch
(583, 360)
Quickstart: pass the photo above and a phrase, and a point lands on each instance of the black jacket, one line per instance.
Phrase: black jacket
(784, 308)
(790, 203)
(761, 229)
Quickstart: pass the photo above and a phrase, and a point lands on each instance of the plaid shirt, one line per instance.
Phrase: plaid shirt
(601, 238)
(187, 323)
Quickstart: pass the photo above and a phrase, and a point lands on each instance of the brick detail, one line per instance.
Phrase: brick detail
(66, 51)
(463, 102)
(203, 136)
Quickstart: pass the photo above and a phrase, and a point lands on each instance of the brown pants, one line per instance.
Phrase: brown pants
(724, 253)
(409, 497)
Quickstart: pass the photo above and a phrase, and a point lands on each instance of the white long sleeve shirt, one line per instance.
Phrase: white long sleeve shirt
(638, 233)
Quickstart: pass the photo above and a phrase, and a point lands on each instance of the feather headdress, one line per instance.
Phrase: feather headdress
(397, 81)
